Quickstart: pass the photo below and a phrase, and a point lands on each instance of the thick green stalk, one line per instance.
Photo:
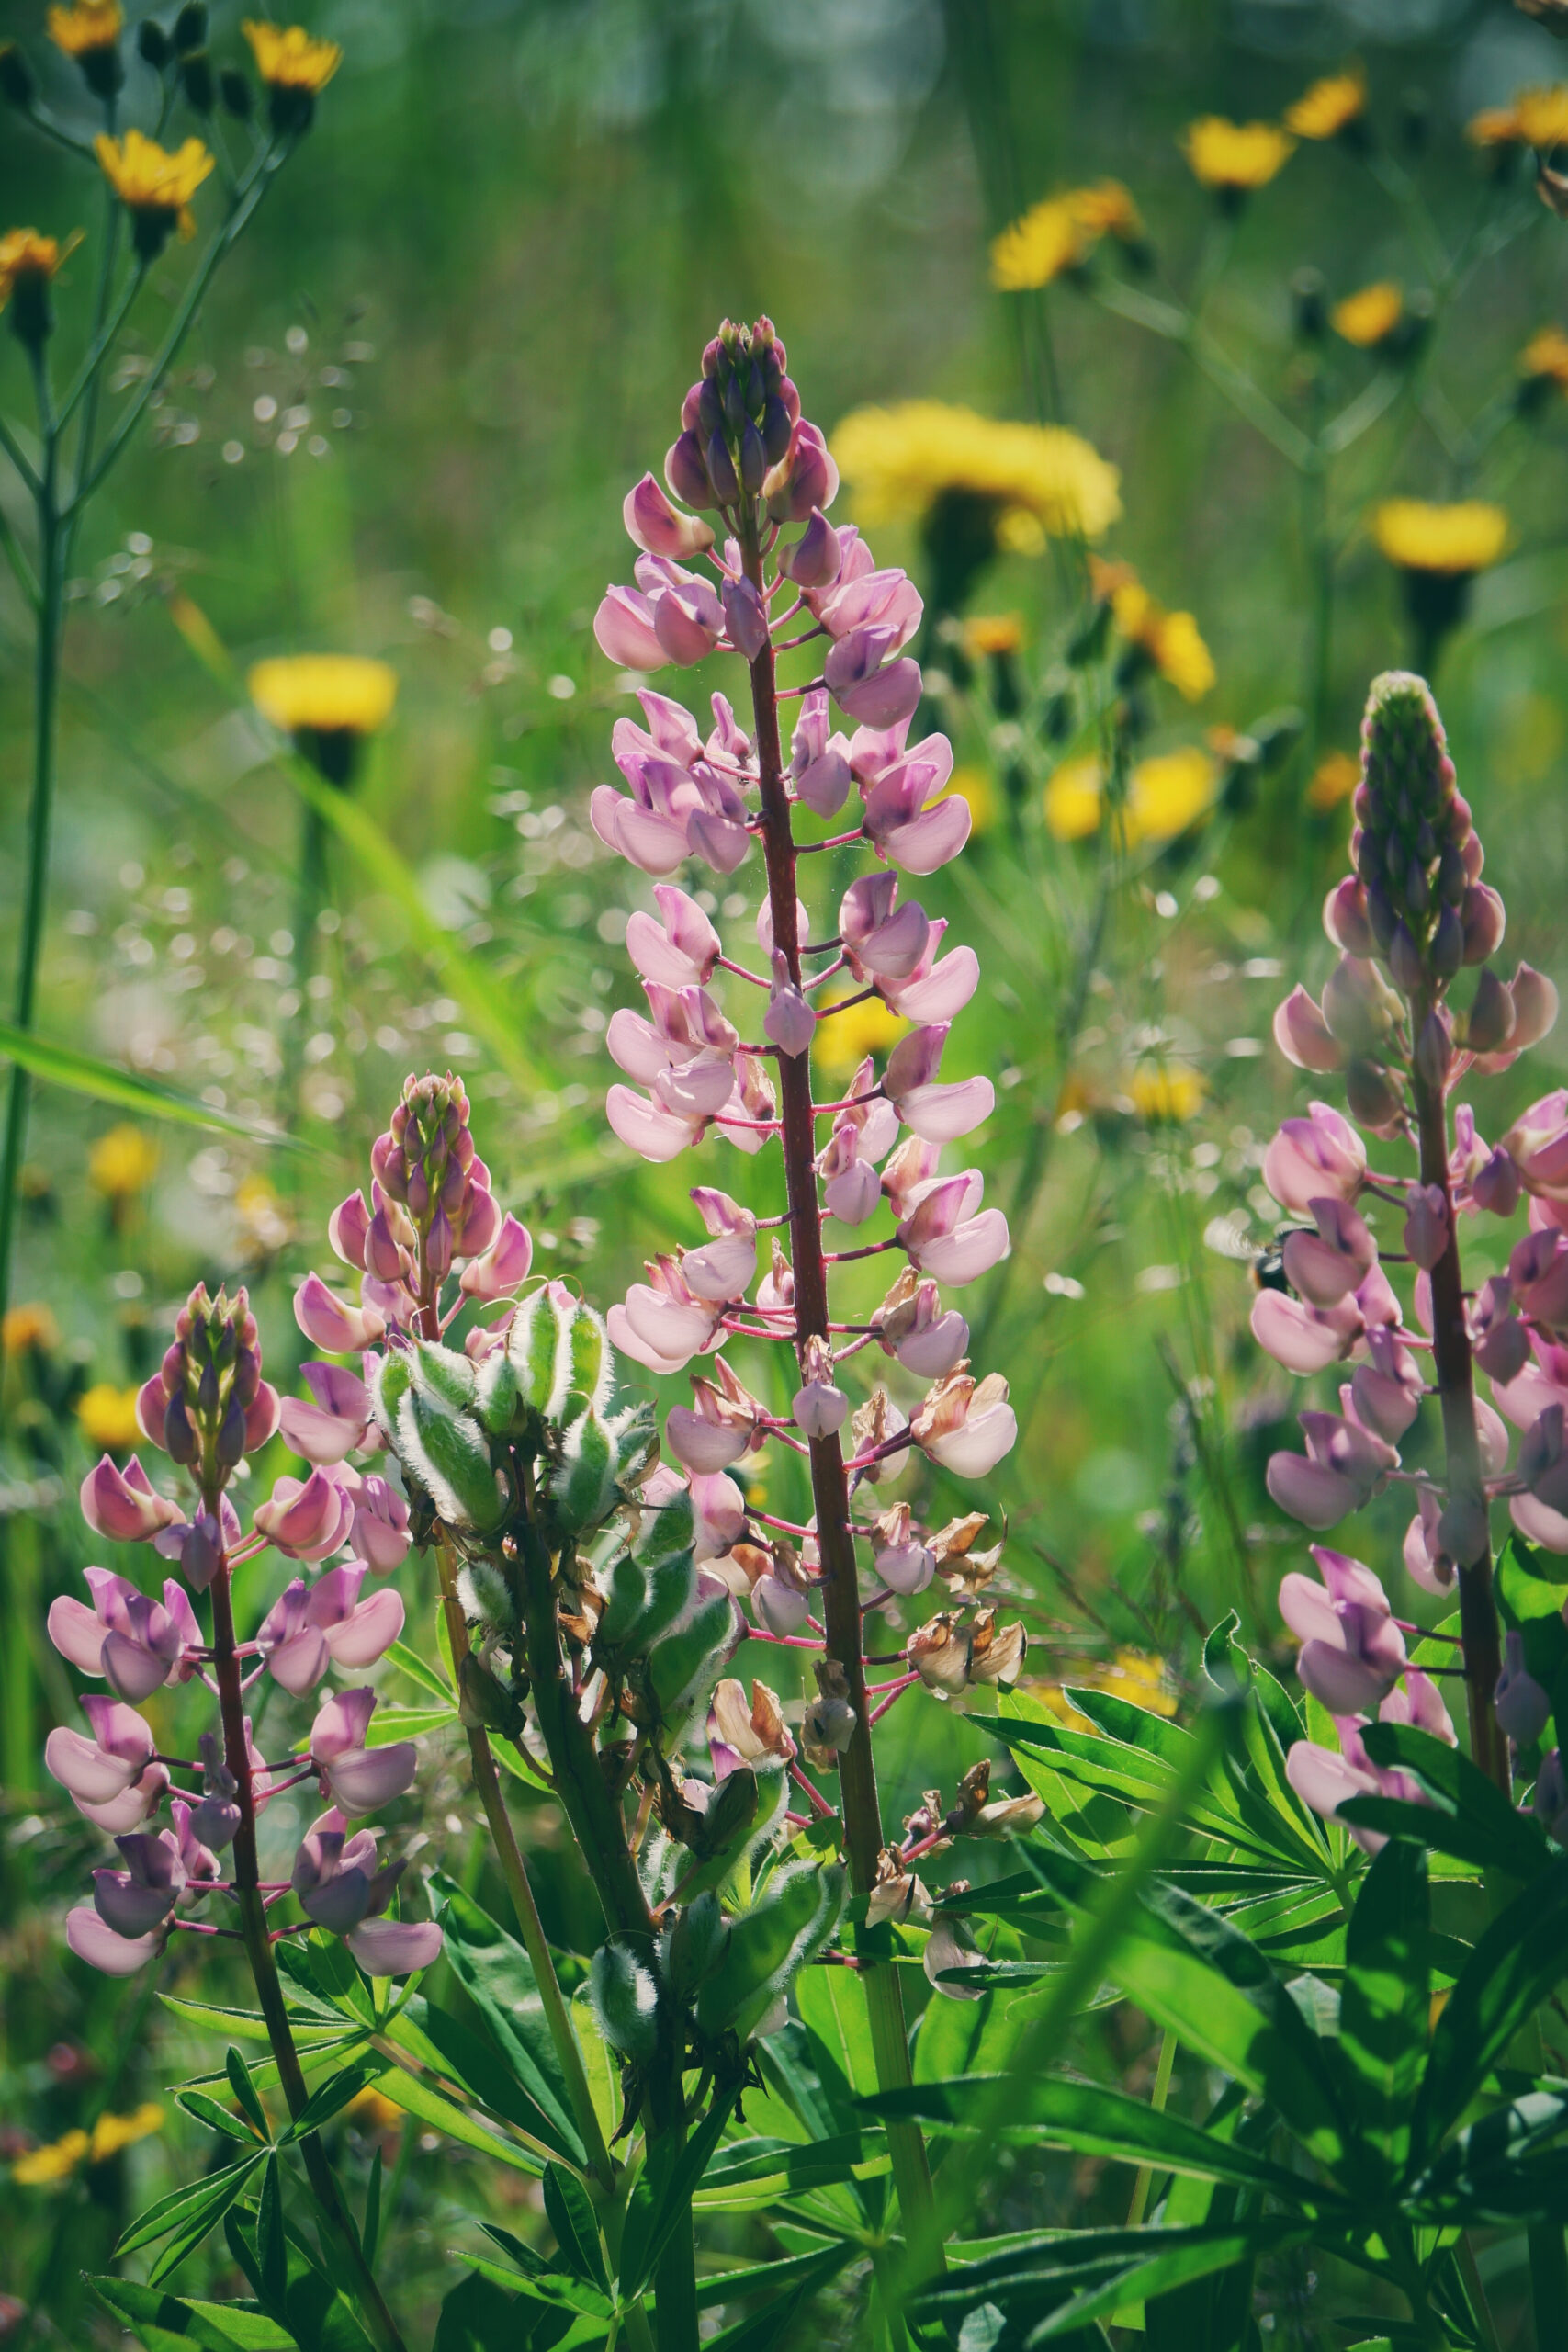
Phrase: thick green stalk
(251, 1910)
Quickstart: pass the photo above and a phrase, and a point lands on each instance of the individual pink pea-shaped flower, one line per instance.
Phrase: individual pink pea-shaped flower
(359, 1778)
(867, 686)
(819, 765)
(805, 479)
(624, 630)
(1538, 1144)
(1386, 1391)
(680, 949)
(1341, 1470)
(337, 1423)
(1314, 1157)
(725, 1422)
(1535, 1008)
(789, 1020)
(688, 620)
(745, 617)
(742, 1731)
(937, 989)
(720, 1509)
(331, 1324)
(815, 559)
(1522, 1707)
(1304, 1037)
(1325, 1266)
(311, 1627)
(306, 1520)
(851, 1189)
(1346, 921)
(347, 1228)
(904, 818)
(101, 1947)
(902, 1562)
(1325, 1780)
(1538, 1278)
(498, 1271)
(133, 1642)
(1426, 1561)
(122, 1506)
(1352, 1652)
(779, 1605)
(662, 1322)
(1425, 1223)
(653, 525)
(966, 1425)
(395, 1947)
(141, 1897)
(1304, 1339)
(820, 1407)
(937, 1114)
(882, 939)
(722, 1267)
(647, 1128)
(96, 1770)
(961, 1252)
(380, 1535)
(335, 1874)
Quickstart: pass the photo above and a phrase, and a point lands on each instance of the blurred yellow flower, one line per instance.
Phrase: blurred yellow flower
(1366, 317)
(289, 59)
(1165, 794)
(31, 1325)
(374, 2109)
(1543, 115)
(1039, 478)
(122, 1163)
(986, 633)
(1418, 536)
(1072, 801)
(1493, 127)
(85, 24)
(1171, 640)
(843, 1041)
(1059, 233)
(1334, 779)
(59, 2158)
(264, 1224)
(1328, 106)
(1166, 1093)
(154, 180)
(1235, 155)
(25, 253)
(107, 1415)
(975, 785)
(1546, 355)
(1131, 1675)
(328, 694)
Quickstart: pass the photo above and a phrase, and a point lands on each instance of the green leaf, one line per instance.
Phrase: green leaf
(1060, 2113)
(389, 1724)
(215, 2190)
(798, 2165)
(498, 1976)
(1513, 1842)
(419, 1669)
(1384, 2000)
(450, 2048)
(370, 2234)
(966, 2038)
(1517, 1961)
(245, 2091)
(558, 2291)
(80, 1073)
(194, 2223)
(1484, 2173)
(216, 2118)
(478, 2316)
(333, 2097)
(807, 2271)
(220, 2327)
(272, 2251)
(833, 2011)
(570, 2212)
(657, 2207)
(1064, 2282)
(409, 2091)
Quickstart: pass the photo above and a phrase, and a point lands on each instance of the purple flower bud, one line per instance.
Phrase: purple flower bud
(1425, 1223)
(1346, 920)
(1489, 1025)
(753, 459)
(1522, 1707)
(1445, 951)
(1485, 921)
(721, 470)
(1304, 1036)
(1373, 1096)
(1433, 1050)
(1404, 959)
(745, 617)
(1535, 1007)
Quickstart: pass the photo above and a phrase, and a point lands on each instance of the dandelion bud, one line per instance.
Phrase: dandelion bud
(1489, 1025)
(190, 27)
(239, 99)
(1535, 1007)
(1425, 1223)
(1522, 1707)
(1304, 1036)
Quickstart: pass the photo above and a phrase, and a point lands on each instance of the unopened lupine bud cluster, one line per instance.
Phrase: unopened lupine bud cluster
(876, 1152)
(1414, 914)
(208, 1407)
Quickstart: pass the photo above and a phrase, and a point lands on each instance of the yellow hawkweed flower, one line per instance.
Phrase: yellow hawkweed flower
(1171, 641)
(1166, 1093)
(107, 1417)
(1165, 794)
(85, 24)
(1059, 233)
(1545, 358)
(1038, 479)
(264, 1224)
(1131, 1675)
(287, 58)
(1234, 157)
(1329, 105)
(1370, 316)
(31, 1325)
(113, 2132)
(1072, 801)
(1494, 127)
(974, 786)
(25, 253)
(1334, 779)
(843, 1041)
(122, 1163)
(328, 702)
(1418, 536)
(57, 2161)
(992, 633)
(61, 2157)
(1543, 115)
(155, 184)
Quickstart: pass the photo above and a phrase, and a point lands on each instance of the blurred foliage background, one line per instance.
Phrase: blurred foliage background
(461, 330)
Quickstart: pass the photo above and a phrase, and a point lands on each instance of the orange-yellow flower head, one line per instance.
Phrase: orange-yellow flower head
(295, 66)
(1167, 643)
(1233, 158)
(89, 31)
(155, 184)
(1334, 779)
(1330, 106)
(28, 264)
(1059, 233)
(995, 634)
(1543, 362)
(1370, 316)
(1465, 537)
(1036, 481)
(1542, 116)
(328, 702)
(1165, 794)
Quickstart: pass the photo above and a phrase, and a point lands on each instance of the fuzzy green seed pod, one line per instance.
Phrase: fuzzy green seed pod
(696, 1944)
(626, 2001)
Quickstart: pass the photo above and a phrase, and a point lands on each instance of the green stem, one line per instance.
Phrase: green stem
(536, 1943)
(1549, 2285)
(1481, 2310)
(1144, 2181)
(251, 1910)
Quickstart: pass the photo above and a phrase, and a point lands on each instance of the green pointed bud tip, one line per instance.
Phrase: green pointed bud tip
(485, 1595)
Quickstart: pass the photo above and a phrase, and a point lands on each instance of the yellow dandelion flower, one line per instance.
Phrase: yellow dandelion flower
(1107, 209)
(29, 1325)
(155, 184)
(1033, 251)
(1543, 115)
(375, 2111)
(328, 702)
(1234, 157)
(289, 59)
(1494, 127)
(1168, 793)
(1329, 106)
(122, 1163)
(973, 785)
(1334, 779)
(1072, 801)
(1369, 316)
(85, 24)
(1171, 641)
(1545, 358)
(27, 261)
(57, 2161)
(113, 2132)
(1166, 1093)
(843, 1041)
(992, 633)
(264, 1223)
(1131, 1675)
(107, 1417)
(1038, 479)
(1463, 537)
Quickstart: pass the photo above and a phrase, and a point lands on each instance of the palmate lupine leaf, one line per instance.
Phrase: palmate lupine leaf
(1385, 1998)
(1515, 1963)
(1474, 1821)
(1056, 2284)
(160, 2321)
(498, 1976)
